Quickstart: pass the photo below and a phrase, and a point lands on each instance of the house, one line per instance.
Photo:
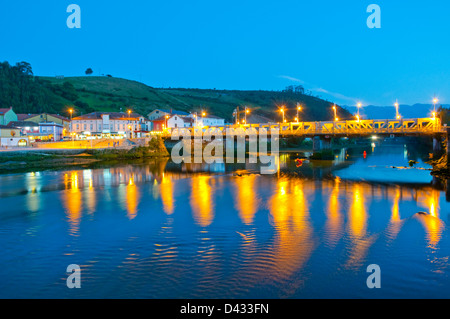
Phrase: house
(7, 115)
(210, 120)
(25, 127)
(10, 137)
(156, 114)
(110, 124)
(175, 121)
(188, 121)
(160, 123)
(42, 132)
(45, 118)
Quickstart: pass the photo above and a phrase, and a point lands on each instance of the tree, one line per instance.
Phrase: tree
(89, 71)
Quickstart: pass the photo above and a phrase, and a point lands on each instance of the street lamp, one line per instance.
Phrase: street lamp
(129, 121)
(335, 113)
(396, 111)
(195, 117)
(435, 100)
(71, 111)
(359, 106)
(203, 115)
(282, 112)
(299, 108)
(246, 112)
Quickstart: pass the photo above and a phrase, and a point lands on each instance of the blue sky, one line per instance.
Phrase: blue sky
(324, 45)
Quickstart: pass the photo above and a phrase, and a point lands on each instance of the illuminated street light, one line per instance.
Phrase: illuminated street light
(299, 108)
(435, 100)
(129, 121)
(335, 113)
(282, 112)
(247, 111)
(397, 115)
(71, 111)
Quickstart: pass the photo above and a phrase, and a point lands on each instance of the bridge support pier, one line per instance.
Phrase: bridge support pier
(437, 145)
(448, 146)
(321, 143)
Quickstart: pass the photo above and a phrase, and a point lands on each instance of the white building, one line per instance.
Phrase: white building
(110, 124)
(175, 121)
(210, 120)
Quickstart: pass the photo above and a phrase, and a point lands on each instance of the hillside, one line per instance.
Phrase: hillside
(111, 94)
(27, 93)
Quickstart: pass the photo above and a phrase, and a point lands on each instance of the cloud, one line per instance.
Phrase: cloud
(338, 96)
(290, 78)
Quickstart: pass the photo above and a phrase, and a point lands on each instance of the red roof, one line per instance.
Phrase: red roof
(3, 111)
(160, 119)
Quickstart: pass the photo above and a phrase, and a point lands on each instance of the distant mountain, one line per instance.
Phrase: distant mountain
(388, 112)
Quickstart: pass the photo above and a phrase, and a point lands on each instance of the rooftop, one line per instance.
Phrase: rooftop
(21, 124)
(4, 110)
(23, 117)
(112, 116)
(174, 112)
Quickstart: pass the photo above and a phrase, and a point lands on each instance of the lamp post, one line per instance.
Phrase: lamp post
(299, 108)
(129, 125)
(195, 117)
(397, 115)
(358, 115)
(435, 100)
(71, 112)
(203, 115)
(282, 112)
(335, 113)
(246, 112)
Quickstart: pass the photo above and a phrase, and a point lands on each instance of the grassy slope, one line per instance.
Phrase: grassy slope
(111, 94)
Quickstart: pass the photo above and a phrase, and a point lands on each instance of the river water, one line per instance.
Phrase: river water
(162, 230)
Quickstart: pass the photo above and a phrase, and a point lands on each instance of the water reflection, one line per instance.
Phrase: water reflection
(334, 223)
(233, 235)
(289, 210)
(72, 201)
(246, 197)
(202, 202)
(167, 195)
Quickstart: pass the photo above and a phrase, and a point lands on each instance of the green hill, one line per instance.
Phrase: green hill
(31, 94)
(112, 94)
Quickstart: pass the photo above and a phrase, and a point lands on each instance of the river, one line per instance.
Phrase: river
(161, 230)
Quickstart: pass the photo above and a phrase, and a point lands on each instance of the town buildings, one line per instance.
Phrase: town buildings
(110, 124)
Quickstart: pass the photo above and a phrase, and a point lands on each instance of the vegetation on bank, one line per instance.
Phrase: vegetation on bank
(155, 148)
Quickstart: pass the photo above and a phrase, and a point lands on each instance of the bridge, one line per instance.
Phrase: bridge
(420, 126)
(322, 132)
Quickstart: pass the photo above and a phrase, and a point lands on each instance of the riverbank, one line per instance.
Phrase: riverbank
(47, 159)
(441, 168)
